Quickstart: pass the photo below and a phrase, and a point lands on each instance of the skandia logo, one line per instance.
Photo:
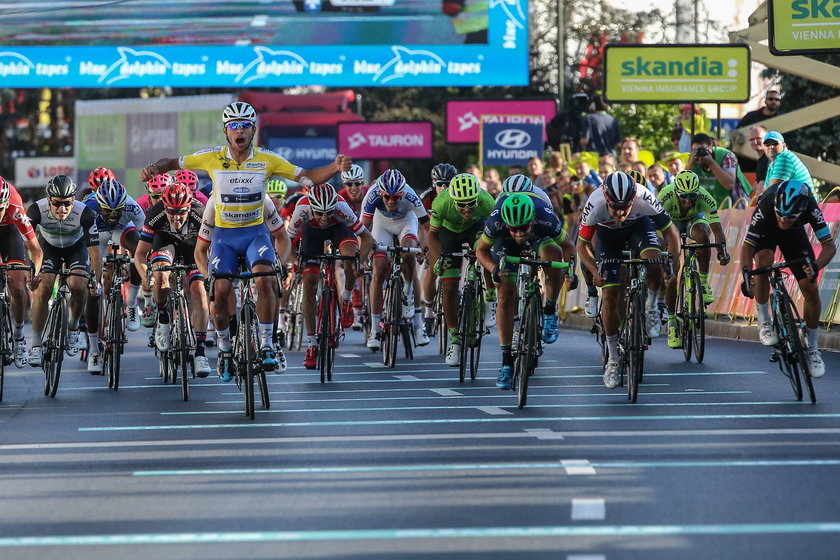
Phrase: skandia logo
(815, 9)
(696, 66)
(512, 139)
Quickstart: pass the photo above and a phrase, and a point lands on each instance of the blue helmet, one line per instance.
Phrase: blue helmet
(391, 182)
(791, 198)
(111, 194)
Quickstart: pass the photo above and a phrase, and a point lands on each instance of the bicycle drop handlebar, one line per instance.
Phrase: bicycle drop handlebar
(666, 260)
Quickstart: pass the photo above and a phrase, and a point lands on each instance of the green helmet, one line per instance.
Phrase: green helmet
(517, 210)
(276, 186)
(686, 183)
(464, 187)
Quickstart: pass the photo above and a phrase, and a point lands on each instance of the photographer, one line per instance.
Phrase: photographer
(718, 170)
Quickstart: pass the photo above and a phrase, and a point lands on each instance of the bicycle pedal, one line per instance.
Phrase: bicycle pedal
(774, 357)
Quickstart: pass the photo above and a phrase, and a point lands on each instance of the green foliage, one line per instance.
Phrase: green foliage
(651, 124)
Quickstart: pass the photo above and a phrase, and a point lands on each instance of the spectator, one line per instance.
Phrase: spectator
(600, 131)
(756, 139)
(772, 104)
(535, 170)
(515, 169)
(718, 170)
(656, 176)
(585, 173)
(556, 162)
(676, 134)
(605, 167)
(492, 182)
(784, 164)
(630, 148)
(642, 168)
(475, 171)
(675, 162)
(691, 122)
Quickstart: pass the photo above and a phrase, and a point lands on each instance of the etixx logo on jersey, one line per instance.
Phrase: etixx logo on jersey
(512, 139)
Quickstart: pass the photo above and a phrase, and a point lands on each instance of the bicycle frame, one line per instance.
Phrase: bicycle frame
(176, 360)
(112, 329)
(471, 327)
(328, 325)
(691, 307)
(55, 331)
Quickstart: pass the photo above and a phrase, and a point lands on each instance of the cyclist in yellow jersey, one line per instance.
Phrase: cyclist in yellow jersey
(239, 172)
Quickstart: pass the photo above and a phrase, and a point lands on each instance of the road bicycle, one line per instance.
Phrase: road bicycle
(176, 363)
(600, 336)
(790, 351)
(55, 330)
(691, 308)
(471, 326)
(292, 336)
(527, 340)
(395, 325)
(328, 324)
(7, 343)
(112, 333)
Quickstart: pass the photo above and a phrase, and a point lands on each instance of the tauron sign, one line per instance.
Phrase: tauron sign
(803, 26)
(677, 73)
(383, 140)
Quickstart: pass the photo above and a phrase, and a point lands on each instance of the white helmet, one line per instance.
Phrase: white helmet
(356, 173)
(322, 198)
(239, 111)
(517, 183)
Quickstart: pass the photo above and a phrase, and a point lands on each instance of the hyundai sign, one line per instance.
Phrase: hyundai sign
(386, 140)
(463, 116)
(308, 153)
(510, 143)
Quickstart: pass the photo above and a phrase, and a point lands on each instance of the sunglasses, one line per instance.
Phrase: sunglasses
(391, 196)
(61, 203)
(327, 213)
(277, 197)
(470, 204)
(688, 196)
(771, 144)
(237, 125)
(354, 183)
(441, 183)
(788, 217)
(105, 210)
(518, 229)
(177, 212)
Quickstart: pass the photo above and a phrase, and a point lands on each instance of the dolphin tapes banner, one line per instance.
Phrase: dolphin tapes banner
(677, 73)
(463, 116)
(386, 140)
(510, 143)
(803, 27)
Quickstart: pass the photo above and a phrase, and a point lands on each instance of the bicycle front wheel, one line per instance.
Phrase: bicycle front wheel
(53, 345)
(248, 337)
(326, 306)
(528, 340)
(115, 341)
(392, 322)
(685, 312)
(698, 320)
(786, 353)
(465, 329)
(799, 360)
(479, 329)
(636, 350)
(440, 323)
(6, 342)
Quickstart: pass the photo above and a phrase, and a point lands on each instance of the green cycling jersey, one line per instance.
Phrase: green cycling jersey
(446, 215)
(704, 203)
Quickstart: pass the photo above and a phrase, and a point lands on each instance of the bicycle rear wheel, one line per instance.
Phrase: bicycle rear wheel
(465, 325)
(698, 320)
(53, 345)
(475, 347)
(440, 324)
(6, 342)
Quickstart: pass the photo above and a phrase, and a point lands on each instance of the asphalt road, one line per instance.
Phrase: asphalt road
(714, 461)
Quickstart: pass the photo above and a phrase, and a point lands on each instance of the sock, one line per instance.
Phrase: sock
(453, 335)
(348, 295)
(430, 309)
(162, 314)
(73, 323)
(763, 311)
(651, 299)
(18, 331)
(704, 277)
(93, 343)
(266, 334)
(672, 319)
(200, 341)
(612, 346)
(550, 307)
(148, 298)
(418, 318)
(37, 337)
(507, 355)
(374, 322)
(490, 294)
(223, 339)
(591, 291)
(813, 338)
(132, 295)
(310, 340)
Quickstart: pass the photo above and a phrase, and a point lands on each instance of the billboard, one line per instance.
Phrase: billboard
(677, 73)
(35, 172)
(463, 116)
(307, 153)
(384, 140)
(803, 27)
(472, 47)
(510, 143)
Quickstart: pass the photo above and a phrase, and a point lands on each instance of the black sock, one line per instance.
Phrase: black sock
(507, 355)
(550, 307)
(200, 340)
(591, 291)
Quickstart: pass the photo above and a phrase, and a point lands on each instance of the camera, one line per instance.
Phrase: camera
(701, 151)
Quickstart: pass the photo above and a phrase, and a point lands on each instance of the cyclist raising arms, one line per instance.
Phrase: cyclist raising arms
(779, 220)
(16, 232)
(393, 210)
(69, 237)
(517, 221)
(239, 172)
(623, 216)
(442, 174)
(694, 213)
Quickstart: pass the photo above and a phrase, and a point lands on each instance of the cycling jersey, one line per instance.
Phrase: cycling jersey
(289, 206)
(342, 214)
(80, 224)
(596, 213)
(16, 215)
(157, 224)
(764, 222)
(445, 214)
(146, 203)
(428, 197)
(356, 205)
(703, 204)
(208, 223)
(238, 189)
(131, 219)
(409, 203)
(544, 227)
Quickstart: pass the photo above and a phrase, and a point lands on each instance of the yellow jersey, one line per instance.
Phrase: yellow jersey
(238, 189)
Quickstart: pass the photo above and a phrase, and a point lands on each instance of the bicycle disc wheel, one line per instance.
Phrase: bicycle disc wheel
(324, 332)
(685, 302)
(246, 329)
(465, 329)
(54, 345)
(698, 321)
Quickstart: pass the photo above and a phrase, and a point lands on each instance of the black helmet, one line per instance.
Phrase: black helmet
(443, 172)
(61, 186)
(792, 198)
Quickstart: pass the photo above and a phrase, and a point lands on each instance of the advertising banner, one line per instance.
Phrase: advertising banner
(384, 140)
(463, 116)
(35, 172)
(677, 73)
(308, 153)
(803, 27)
(510, 143)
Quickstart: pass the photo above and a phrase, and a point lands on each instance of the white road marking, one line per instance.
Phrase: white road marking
(589, 509)
(586, 557)
(407, 378)
(544, 433)
(374, 364)
(493, 410)
(447, 392)
(577, 467)
(350, 355)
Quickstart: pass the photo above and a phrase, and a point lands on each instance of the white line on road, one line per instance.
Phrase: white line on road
(577, 467)
(544, 433)
(493, 410)
(350, 355)
(373, 365)
(407, 378)
(589, 509)
(586, 557)
(447, 392)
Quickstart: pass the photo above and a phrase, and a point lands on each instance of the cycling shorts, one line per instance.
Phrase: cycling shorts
(451, 242)
(166, 249)
(116, 237)
(639, 238)
(793, 243)
(685, 226)
(312, 244)
(386, 229)
(74, 257)
(11, 245)
(227, 245)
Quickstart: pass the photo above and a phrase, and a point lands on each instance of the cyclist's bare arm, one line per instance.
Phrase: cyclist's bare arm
(160, 166)
(322, 174)
(485, 257)
(35, 253)
(140, 256)
(201, 249)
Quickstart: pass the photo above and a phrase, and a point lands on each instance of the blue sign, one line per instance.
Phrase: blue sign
(511, 143)
(308, 153)
(503, 60)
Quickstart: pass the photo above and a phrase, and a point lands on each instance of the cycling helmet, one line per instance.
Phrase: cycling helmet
(686, 183)
(356, 173)
(443, 172)
(464, 187)
(158, 184)
(239, 111)
(322, 198)
(517, 210)
(619, 189)
(61, 186)
(111, 194)
(5, 192)
(98, 175)
(517, 183)
(637, 176)
(792, 198)
(188, 177)
(276, 186)
(178, 196)
(391, 182)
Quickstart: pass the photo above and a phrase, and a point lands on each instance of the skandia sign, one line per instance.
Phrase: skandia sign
(803, 26)
(384, 140)
(677, 73)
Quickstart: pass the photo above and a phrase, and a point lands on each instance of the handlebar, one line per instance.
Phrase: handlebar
(398, 249)
(778, 266)
(534, 262)
(175, 268)
(665, 260)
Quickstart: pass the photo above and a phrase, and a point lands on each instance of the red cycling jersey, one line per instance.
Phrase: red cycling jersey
(16, 215)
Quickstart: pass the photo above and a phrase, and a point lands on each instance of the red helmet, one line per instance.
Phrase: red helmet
(158, 184)
(178, 196)
(98, 175)
(188, 177)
